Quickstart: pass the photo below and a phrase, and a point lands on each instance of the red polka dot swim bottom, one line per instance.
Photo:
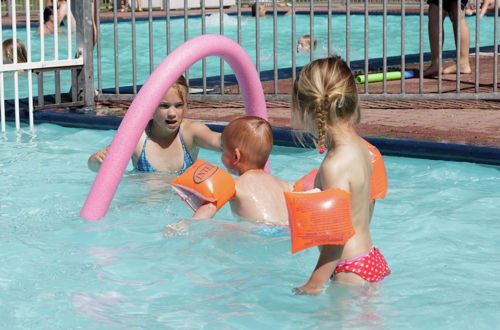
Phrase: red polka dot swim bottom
(371, 266)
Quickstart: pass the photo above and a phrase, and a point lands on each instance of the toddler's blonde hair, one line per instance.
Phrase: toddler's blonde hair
(253, 136)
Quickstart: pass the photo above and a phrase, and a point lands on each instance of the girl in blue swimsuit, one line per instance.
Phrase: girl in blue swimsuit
(143, 165)
(169, 138)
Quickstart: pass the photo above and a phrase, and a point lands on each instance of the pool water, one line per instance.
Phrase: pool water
(284, 47)
(438, 228)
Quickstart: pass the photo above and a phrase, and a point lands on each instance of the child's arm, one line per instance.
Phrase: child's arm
(330, 175)
(206, 211)
(95, 160)
(328, 259)
(204, 137)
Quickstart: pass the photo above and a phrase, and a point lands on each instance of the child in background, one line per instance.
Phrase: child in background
(325, 103)
(170, 143)
(8, 51)
(246, 145)
(304, 44)
(49, 25)
(259, 8)
(64, 14)
(485, 6)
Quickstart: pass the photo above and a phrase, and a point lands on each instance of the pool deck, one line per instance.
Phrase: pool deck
(464, 122)
(468, 122)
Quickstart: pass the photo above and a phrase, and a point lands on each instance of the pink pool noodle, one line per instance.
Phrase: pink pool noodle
(150, 95)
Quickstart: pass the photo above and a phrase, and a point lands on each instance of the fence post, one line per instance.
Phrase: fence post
(9, 8)
(85, 46)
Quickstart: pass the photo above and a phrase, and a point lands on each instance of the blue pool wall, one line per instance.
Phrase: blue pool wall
(85, 118)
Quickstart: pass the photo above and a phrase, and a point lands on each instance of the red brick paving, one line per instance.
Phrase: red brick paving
(474, 122)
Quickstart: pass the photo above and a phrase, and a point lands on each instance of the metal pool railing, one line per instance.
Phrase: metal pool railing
(21, 58)
(405, 89)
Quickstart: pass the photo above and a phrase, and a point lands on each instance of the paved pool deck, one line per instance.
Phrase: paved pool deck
(464, 122)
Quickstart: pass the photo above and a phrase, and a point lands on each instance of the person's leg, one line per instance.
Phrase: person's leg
(464, 36)
(433, 29)
(124, 5)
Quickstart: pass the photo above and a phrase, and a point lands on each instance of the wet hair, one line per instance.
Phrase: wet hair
(47, 12)
(8, 51)
(253, 136)
(181, 86)
(308, 38)
(324, 94)
(256, 9)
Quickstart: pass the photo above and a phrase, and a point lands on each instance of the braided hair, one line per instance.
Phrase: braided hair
(323, 94)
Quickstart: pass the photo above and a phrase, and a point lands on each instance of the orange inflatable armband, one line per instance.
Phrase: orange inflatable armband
(306, 182)
(378, 183)
(319, 218)
(204, 183)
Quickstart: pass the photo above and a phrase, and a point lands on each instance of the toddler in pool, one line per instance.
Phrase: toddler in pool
(246, 145)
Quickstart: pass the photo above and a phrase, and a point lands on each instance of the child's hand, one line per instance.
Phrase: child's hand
(309, 290)
(176, 229)
(101, 154)
(95, 161)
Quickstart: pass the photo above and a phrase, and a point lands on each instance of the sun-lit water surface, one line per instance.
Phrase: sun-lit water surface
(438, 228)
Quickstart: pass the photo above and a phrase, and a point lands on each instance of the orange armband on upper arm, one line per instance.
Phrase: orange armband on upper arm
(378, 181)
(204, 183)
(306, 182)
(319, 218)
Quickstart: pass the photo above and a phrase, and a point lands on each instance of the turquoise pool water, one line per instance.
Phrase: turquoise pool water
(248, 43)
(438, 228)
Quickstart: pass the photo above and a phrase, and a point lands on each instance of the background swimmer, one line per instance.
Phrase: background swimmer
(49, 25)
(8, 51)
(304, 44)
(260, 8)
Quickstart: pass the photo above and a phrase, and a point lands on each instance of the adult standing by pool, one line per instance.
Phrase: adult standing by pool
(450, 9)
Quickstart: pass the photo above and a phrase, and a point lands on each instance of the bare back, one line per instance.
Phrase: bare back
(259, 197)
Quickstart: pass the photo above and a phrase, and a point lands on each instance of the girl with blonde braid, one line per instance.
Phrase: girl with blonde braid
(325, 103)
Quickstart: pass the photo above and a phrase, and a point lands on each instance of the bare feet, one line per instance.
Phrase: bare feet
(431, 71)
(464, 68)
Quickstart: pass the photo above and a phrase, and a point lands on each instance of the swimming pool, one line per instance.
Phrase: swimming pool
(438, 228)
(248, 43)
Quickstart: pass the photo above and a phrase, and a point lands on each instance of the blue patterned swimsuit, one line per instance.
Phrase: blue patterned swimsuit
(144, 166)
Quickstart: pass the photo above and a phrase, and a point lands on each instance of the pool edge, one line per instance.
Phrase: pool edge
(283, 136)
